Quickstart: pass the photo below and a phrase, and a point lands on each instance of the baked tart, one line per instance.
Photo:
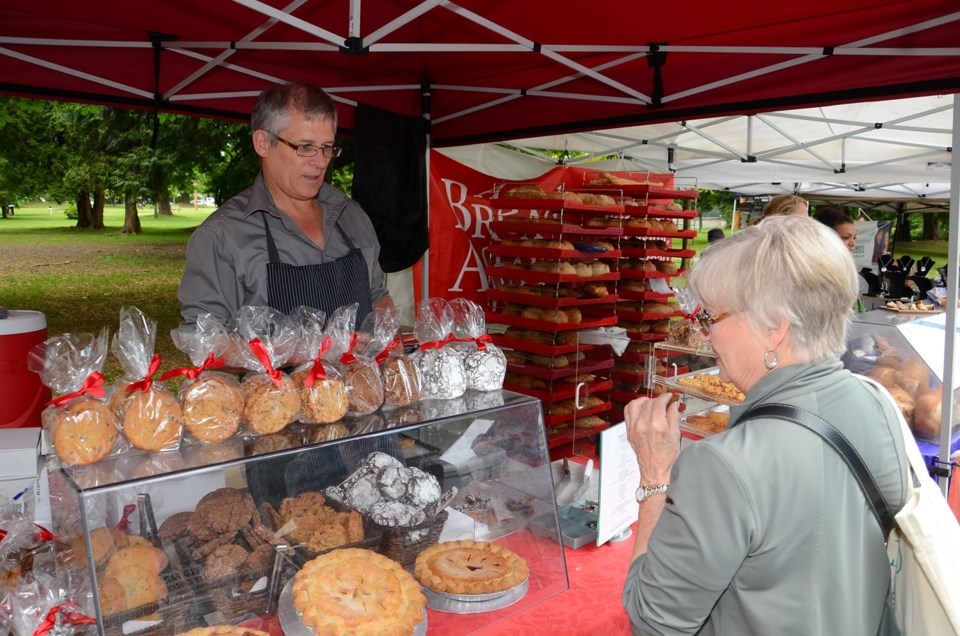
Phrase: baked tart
(470, 567)
(357, 592)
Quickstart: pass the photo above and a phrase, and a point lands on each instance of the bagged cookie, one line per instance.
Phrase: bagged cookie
(323, 394)
(151, 417)
(361, 373)
(309, 324)
(211, 401)
(484, 363)
(265, 339)
(441, 366)
(77, 423)
(402, 383)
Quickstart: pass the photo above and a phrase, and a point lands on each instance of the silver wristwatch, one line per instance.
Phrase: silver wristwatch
(644, 492)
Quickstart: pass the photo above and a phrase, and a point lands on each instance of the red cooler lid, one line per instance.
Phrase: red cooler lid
(22, 321)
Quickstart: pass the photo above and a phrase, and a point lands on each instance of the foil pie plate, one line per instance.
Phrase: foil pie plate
(474, 603)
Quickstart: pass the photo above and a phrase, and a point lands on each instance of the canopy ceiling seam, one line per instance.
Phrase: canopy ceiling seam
(221, 57)
(75, 73)
(289, 20)
(797, 143)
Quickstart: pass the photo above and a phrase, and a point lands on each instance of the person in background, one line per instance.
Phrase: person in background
(290, 239)
(714, 235)
(786, 204)
(837, 220)
(763, 529)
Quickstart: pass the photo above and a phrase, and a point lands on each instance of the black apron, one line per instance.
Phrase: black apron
(324, 286)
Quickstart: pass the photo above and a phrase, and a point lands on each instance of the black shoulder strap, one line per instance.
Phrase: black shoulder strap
(839, 443)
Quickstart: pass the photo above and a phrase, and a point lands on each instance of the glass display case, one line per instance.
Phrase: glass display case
(212, 534)
(900, 351)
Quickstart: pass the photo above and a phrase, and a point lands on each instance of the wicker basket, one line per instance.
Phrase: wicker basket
(234, 604)
(404, 544)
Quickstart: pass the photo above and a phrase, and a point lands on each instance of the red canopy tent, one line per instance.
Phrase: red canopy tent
(483, 70)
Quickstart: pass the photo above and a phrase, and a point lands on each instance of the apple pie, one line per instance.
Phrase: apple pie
(358, 592)
(470, 567)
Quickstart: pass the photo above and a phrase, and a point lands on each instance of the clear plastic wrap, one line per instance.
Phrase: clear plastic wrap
(264, 339)
(309, 323)
(151, 418)
(402, 383)
(441, 366)
(211, 401)
(78, 424)
(484, 362)
(360, 371)
(323, 394)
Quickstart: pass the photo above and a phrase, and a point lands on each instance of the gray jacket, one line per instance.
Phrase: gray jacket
(765, 530)
(227, 255)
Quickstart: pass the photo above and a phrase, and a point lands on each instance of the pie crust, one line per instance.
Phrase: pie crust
(470, 567)
(357, 592)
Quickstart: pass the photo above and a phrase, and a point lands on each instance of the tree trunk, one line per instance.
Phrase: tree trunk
(84, 217)
(903, 229)
(96, 213)
(3, 210)
(131, 220)
(931, 227)
(163, 204)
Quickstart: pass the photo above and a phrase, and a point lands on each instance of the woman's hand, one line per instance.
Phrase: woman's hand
(653, 430)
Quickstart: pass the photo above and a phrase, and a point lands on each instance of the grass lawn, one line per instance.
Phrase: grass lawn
(79, 278)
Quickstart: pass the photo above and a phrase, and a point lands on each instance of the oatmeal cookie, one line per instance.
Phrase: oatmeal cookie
(323, 403)
(269, 408)
(364, 388)
(153, 420)
(212, 408)
(84, 432)
(327, 537)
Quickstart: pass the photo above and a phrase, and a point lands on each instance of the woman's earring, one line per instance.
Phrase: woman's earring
(767, 362)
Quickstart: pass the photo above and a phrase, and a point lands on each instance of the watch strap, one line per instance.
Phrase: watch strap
(645, 492)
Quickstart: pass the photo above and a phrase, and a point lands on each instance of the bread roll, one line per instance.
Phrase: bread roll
(599, 269)
(532, 313)
(573, 315)
(885, 376)
(926, 415)
(906, 403)
(667, 267)
(555, 315)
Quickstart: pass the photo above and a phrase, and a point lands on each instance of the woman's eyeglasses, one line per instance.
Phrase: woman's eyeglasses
(705, 321)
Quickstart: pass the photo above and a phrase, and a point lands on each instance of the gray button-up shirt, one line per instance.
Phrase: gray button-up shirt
(227, 254)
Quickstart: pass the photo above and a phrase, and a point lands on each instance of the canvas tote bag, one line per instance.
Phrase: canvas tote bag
(924, 551)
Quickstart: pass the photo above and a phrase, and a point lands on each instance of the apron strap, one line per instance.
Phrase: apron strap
(271, 246)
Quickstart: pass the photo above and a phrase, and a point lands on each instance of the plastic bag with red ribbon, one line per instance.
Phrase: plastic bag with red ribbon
(441, 366)
(483, 361)
(323, 394)
(264, 340)
(309, 323)
(78, 424)
(211, 401)
(402, 384)
(151, 418)
(360, 372)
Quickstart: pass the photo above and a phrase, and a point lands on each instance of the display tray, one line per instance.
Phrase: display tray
(547, 373)
(526, 226)
(555, 439)
(701, 428)
(553, 420)
(638, 336)
(626, 294)
(674, 384)
(646, 231)
(550, 302)
(559, 390)
(658, 213)
(552, 204)
(642, 252)
(924, 312)
(292, 625)
(702, 350)
(526, 275)
(474, 603)
(549, 253)
(535, 347)
(544, 325)
(638, 316)
(639, 274)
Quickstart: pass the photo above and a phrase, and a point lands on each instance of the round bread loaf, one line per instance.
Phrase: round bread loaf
(926, 415)
(153, 419)
(212, 407)
(402, 383)
(84, 431)
(906, 403)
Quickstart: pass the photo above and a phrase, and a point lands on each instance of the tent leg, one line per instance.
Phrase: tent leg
(946, 416)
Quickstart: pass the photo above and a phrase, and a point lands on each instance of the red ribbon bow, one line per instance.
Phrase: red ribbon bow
(93, 385)
(318, 372)
(193, 372)
(437, 344)
(147, 381)
(261, 352)
(383, 354)
(348, 357)
(43, 535)
(692, 315)
(69, 618)
(482, 340)
(124, 522)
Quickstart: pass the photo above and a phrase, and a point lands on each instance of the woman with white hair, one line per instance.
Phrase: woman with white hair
(763, 529)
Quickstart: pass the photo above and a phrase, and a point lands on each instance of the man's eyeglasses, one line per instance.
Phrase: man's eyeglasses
(310, 150)
(705, 321)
